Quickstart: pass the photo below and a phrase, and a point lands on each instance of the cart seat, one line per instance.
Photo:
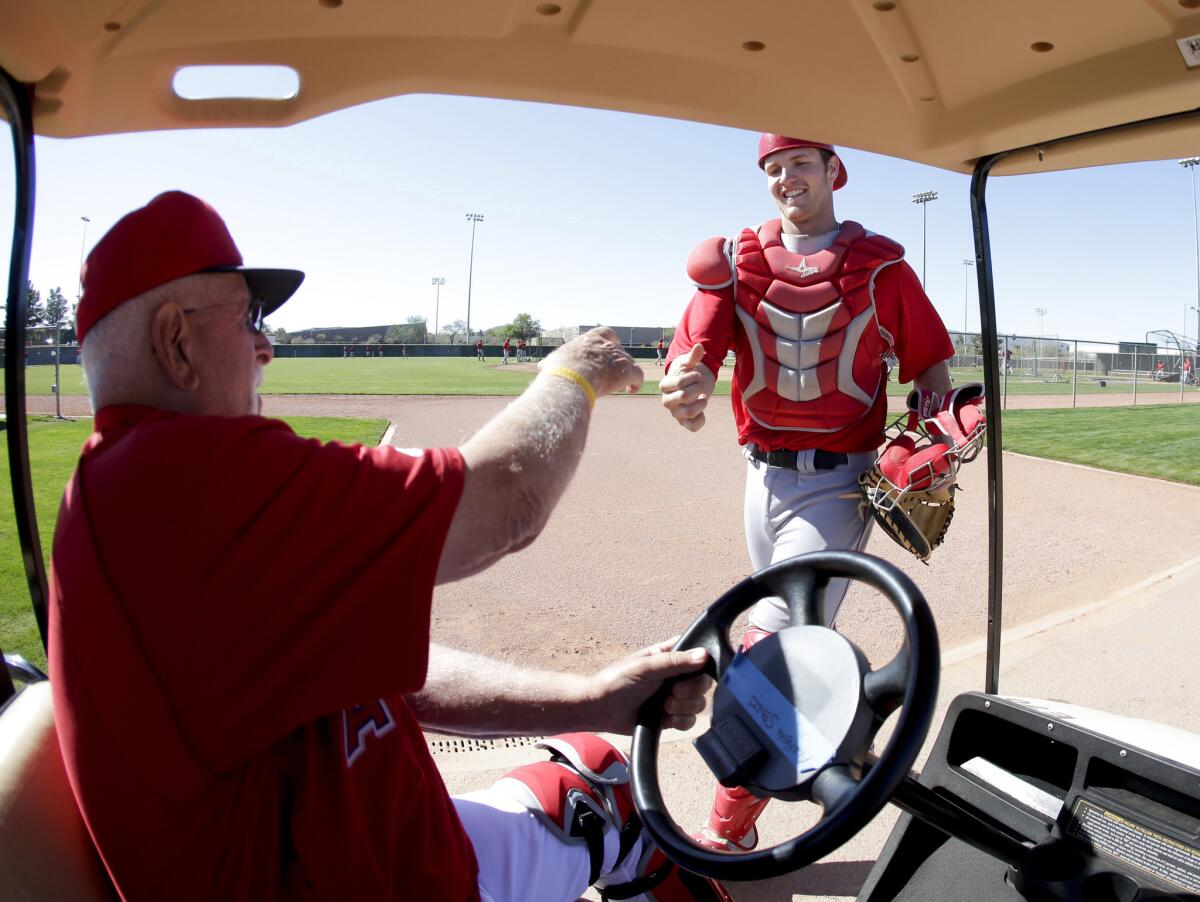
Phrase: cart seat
(45, 849)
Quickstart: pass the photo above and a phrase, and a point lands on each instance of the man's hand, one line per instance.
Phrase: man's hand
(621, 688)
(598, 357)
(687, 388)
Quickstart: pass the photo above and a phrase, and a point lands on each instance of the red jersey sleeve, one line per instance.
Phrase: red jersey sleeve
(920, 338)
(708, 320)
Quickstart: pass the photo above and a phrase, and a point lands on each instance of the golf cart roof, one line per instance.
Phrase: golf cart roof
(927, 80)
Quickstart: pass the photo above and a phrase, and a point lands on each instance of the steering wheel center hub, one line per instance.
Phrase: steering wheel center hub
(785, 709)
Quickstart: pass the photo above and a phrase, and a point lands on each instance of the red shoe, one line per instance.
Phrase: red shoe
(731, 821)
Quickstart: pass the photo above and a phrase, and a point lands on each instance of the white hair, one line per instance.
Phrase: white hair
(118, 350)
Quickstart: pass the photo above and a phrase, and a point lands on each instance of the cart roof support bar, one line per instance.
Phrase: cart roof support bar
(991, 370)
(15, 101)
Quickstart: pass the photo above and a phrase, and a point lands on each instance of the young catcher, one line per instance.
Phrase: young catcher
(814, 308)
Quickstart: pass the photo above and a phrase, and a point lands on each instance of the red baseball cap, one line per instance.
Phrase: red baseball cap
(768, 144)
(173, 236)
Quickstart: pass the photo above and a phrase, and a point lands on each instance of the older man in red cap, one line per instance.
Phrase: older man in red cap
(239, 618)
(816, 310)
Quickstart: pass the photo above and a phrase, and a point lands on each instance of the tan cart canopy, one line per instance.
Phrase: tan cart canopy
(941, 82)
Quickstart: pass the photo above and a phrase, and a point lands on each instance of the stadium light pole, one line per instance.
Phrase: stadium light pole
(1196, 346)
(923, 198)
(474, 219)
(967, 264)
(82, 246)
(437, 300)
(1037, 361)
(1190, 165)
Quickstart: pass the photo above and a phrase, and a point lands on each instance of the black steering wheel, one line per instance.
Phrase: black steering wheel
(794, 716)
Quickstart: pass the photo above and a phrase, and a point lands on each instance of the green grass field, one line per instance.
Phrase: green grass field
(466, 376)
(53, 449)
(1157, 440)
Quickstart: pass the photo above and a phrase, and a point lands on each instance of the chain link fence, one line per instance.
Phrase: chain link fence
(1074, 372)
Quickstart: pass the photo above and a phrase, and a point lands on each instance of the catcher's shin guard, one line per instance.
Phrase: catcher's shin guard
(582, 795)
(735, 811)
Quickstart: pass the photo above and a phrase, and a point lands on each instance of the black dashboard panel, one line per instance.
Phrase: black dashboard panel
(1104, 820)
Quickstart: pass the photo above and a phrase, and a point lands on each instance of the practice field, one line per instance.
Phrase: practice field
(466, 376)
(1150, 441)
(53, 449)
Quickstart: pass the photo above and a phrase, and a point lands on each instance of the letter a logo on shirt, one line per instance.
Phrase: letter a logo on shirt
(357, 722)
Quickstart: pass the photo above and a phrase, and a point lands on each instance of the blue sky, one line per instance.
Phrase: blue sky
(589, 216)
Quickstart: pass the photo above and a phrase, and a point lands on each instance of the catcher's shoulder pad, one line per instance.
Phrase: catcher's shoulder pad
(710, 264)
(870, 247)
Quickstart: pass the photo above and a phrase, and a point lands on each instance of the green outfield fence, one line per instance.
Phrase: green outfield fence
(384, 349)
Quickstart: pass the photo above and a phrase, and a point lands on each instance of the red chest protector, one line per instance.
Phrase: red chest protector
(810, 348)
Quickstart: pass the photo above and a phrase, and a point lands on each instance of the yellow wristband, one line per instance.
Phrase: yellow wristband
(571, 376)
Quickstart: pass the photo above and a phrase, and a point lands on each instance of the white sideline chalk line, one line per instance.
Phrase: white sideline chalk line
(388, 435)
(1101, 470)
(978, 647)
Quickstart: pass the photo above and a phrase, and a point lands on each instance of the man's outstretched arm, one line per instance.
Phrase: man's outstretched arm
(471, 695)
(519, 463)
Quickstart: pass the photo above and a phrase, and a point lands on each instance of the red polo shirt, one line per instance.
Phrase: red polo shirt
(236, 614)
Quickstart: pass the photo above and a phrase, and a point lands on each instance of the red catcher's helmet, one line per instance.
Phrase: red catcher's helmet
(768, 144)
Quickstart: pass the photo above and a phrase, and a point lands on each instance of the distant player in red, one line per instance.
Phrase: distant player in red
(814, 308)
(1187, 370)
(521, 355)
(479, 349)
(239, 618)
(658, 352)
(507, 348)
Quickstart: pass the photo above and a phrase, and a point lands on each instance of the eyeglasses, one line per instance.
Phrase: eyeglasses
(255, 315)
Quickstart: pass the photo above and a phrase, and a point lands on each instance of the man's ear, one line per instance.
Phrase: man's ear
(833, 169)
(174, 346)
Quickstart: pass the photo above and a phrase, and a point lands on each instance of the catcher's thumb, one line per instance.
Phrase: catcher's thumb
(693, 357)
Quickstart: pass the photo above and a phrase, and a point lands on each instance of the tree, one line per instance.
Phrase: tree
(58, 309)
(524, 326)
(458, 327)
(417, 328)
(35, 314)
(280, 335)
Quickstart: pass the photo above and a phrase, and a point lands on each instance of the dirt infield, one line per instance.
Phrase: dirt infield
(650, 532)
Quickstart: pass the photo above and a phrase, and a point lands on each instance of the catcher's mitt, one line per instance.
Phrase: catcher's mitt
(910, 493)
(910, 490)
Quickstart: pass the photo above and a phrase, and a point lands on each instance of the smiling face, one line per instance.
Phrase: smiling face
(801, 180)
